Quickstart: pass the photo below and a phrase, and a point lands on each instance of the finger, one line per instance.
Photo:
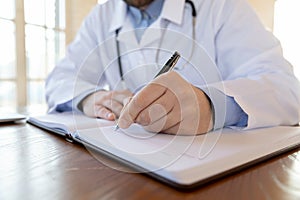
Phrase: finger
(176, 84)
(145, 97)
(104, 113)
(166, 122)
(121, 95)
(159, 108)
(172, 130)
(113, 106)
(139, 102)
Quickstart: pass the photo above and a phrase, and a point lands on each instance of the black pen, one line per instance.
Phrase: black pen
(170, 64)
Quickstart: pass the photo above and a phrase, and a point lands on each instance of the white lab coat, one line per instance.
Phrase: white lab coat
(233, 54)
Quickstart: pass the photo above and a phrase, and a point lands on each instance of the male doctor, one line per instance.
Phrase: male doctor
(231, 73)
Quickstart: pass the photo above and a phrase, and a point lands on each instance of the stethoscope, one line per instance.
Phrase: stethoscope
(194, 15)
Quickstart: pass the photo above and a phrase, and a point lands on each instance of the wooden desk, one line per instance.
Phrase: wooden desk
(39, 165)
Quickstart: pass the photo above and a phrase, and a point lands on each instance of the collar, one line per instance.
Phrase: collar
(172, 10)
(119, 15)
(153, 10)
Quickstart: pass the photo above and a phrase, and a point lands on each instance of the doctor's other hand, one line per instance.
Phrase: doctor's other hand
(169, 104)
(105, 104)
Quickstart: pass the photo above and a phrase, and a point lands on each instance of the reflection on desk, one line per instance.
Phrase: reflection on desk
(39, 165)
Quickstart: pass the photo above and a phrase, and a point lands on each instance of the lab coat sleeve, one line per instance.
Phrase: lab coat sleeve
(226, 112)
(254, 71)
(70, 78)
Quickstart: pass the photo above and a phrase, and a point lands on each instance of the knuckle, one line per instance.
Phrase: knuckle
(109, 94)
(157, 126)
(139, 101)
(102, 111)
(143, 118)
(104, 94)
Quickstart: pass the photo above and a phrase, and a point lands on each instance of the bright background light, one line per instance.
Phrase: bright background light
(287, 30)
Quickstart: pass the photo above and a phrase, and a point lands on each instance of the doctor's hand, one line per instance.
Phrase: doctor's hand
(169, 104)
(105, 104)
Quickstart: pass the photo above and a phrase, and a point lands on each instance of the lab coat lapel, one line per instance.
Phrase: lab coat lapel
(127, 35)
(121, 21)
(172, 11)
(152, 34)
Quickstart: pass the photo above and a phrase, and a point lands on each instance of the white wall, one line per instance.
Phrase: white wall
(265, 10)
(78, 9)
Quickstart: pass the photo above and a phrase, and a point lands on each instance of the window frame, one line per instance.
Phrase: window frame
(21, 78)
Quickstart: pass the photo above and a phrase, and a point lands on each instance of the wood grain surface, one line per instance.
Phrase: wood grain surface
(36, 164)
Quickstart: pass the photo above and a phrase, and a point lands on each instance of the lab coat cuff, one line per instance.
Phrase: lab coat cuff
(218, 106)
(226, 112)
(73, 105)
